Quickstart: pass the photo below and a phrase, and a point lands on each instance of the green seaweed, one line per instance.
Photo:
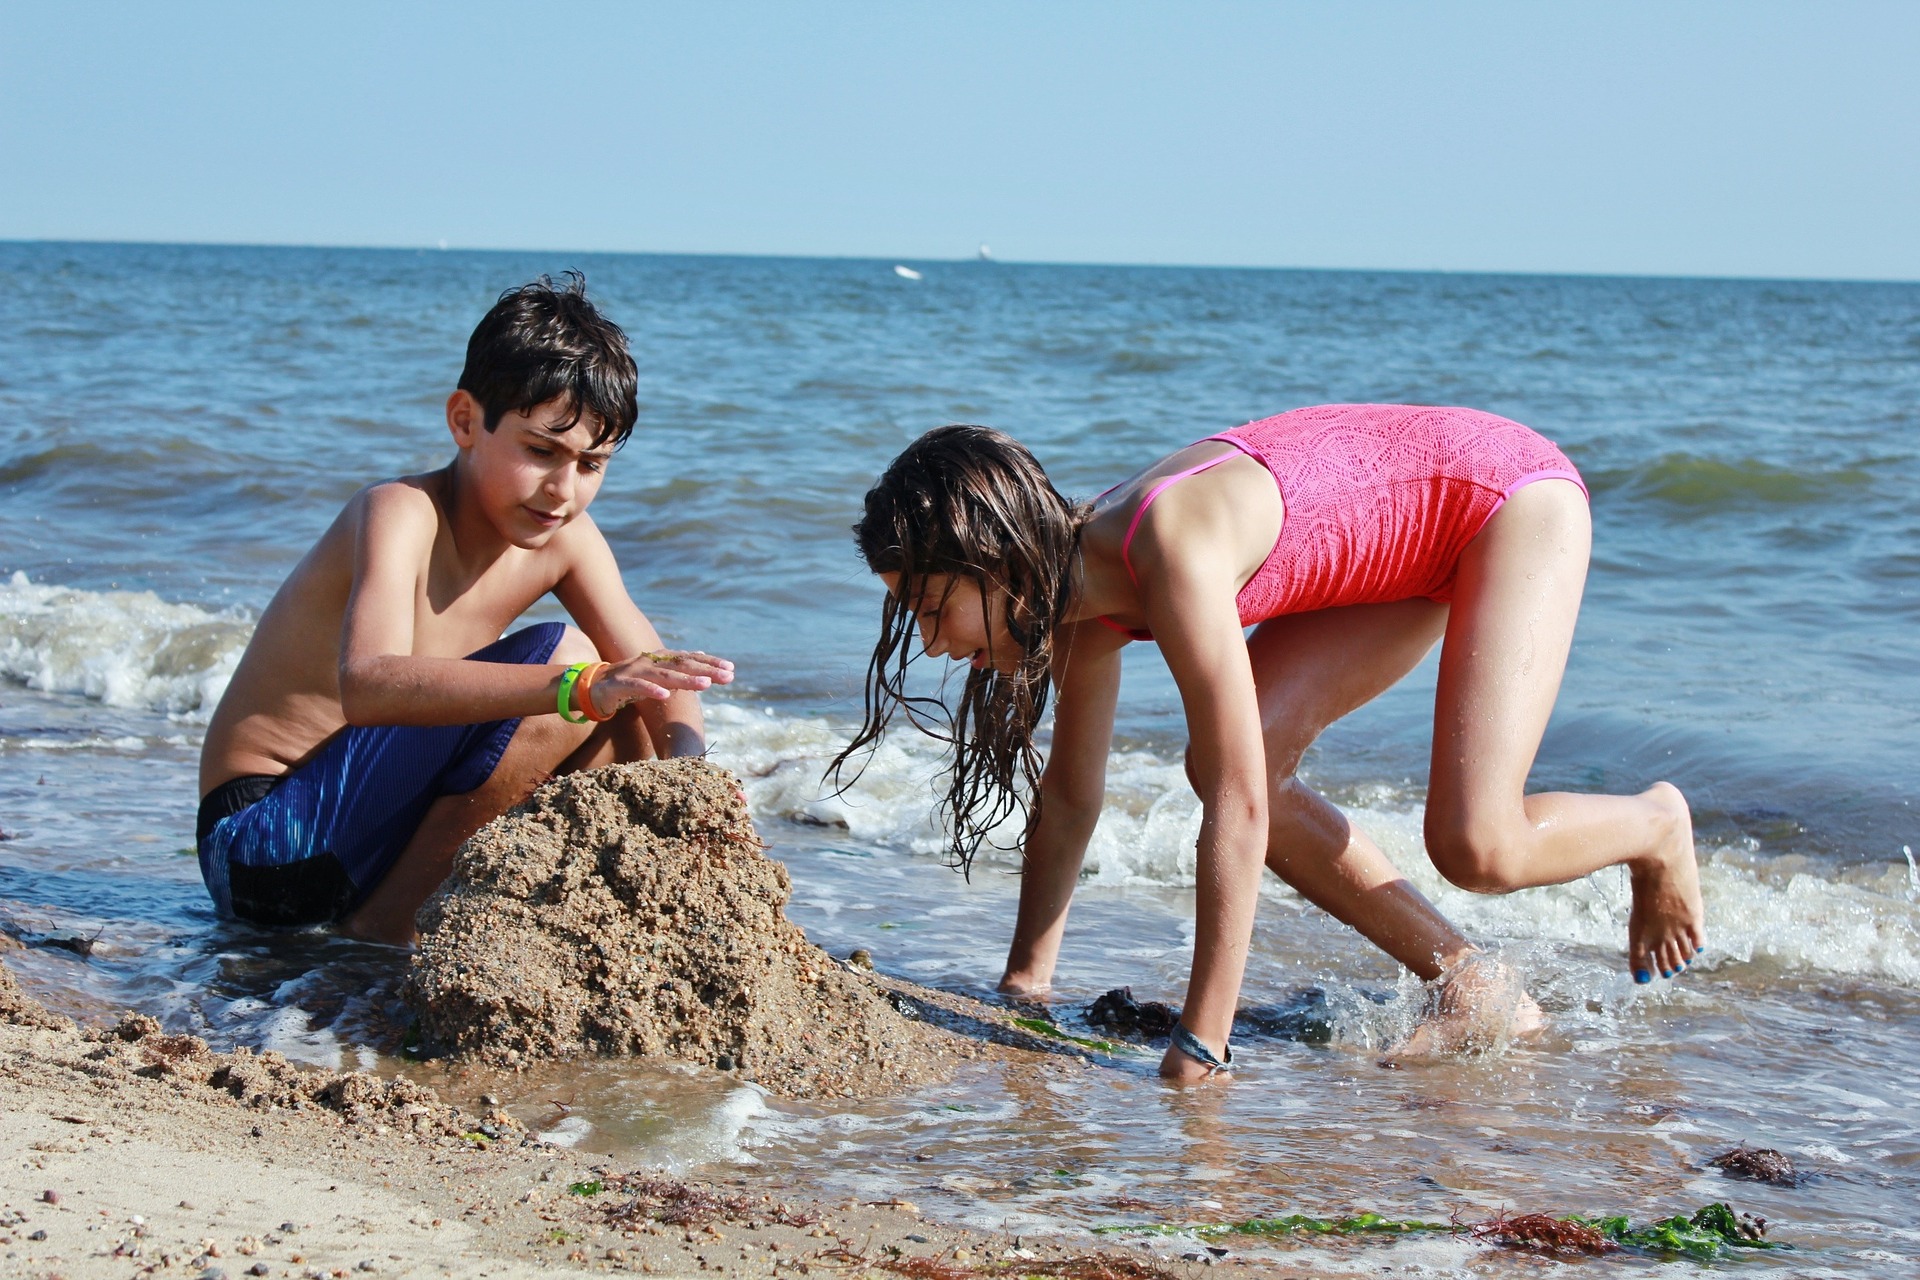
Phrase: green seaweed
(1041, 1027)
(592, 1187)
(1704, 1234)
(1352, 1225)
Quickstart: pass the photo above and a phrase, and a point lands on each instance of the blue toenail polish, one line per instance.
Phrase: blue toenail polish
(1642, 977)
(1698, 950)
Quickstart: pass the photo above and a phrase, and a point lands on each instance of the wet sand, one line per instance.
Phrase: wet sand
(128, 1152)
(626, 912)
(631, 911)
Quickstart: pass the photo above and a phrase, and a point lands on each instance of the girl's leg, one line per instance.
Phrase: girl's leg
(1515, 600)
(1311, 669)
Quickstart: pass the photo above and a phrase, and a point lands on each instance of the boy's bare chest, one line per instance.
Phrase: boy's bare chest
(456, 612)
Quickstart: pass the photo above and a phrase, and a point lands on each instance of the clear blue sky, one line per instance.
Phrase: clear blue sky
(1746, 138)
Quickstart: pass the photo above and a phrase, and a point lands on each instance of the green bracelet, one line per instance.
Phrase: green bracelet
(565, 700)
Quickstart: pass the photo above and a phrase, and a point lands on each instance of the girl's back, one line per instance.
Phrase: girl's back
(1381, 499)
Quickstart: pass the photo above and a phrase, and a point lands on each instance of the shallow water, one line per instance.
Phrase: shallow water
(182, 422)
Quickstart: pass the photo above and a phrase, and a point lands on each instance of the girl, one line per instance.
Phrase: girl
(1351, 538)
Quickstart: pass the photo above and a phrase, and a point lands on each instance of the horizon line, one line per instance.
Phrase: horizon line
(970, 260)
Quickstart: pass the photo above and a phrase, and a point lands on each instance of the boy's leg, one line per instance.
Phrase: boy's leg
(1515, 601)
(541, 747)
(1311, 669)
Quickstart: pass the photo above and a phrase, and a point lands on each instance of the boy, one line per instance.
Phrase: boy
(377, 719)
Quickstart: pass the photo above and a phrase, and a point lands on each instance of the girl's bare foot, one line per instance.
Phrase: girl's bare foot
(1477, 1005)
(1668, 926)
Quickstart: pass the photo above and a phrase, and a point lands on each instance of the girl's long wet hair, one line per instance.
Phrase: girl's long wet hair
(970, 502)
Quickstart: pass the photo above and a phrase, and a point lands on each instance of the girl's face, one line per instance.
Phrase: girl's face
(958, 622)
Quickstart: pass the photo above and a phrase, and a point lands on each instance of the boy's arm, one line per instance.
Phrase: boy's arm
(382, 681)
(594, 593)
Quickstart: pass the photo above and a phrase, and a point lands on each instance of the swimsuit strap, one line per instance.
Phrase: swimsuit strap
(1126, 545)
(1129, 632)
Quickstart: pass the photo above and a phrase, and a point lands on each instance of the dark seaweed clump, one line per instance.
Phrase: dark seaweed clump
(1117, 1011)
(1762, 1164)
(1305, 1017)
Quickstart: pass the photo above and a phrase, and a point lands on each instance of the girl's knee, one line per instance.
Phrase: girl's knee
(1479, 856)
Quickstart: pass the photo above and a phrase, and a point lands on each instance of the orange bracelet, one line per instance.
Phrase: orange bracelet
(583, 694)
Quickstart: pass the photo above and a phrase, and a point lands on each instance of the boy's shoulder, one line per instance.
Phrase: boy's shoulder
(417, 492)
(400, 516)
(399, 505)
(410, 513)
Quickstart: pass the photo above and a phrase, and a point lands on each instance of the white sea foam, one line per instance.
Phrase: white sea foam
(567, 1133)
(123, 648)
(1782, 912)
(133, 649)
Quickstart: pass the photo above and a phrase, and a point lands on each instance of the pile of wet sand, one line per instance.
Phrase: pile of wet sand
(137, 1046)
(16, 1006)
(630, 911)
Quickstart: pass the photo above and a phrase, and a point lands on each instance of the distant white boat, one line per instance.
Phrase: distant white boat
(906, 273)
(986, 254)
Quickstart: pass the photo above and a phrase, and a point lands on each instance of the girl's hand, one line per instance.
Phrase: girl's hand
(657, 676)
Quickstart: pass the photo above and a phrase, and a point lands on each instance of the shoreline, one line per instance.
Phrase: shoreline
(131, 1152)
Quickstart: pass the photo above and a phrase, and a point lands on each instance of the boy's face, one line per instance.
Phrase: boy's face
(529, 478)
(956, 620)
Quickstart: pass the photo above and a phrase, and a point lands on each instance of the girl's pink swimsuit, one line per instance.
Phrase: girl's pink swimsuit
(1380, 500)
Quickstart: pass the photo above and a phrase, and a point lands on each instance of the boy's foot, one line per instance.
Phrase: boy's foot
(1667, 928)
(373, 927)
(1477, 1005)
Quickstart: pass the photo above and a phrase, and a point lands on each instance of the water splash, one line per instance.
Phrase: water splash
(123, 648)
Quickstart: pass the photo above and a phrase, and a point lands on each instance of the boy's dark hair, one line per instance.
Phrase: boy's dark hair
(542, 343)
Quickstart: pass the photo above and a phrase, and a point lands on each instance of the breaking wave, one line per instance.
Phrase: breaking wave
(123, 648)
(1781, 911)
(133, 649)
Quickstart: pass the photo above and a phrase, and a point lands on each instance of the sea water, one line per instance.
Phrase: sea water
(178, 424)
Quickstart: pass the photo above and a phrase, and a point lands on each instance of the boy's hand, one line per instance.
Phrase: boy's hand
(657, 676)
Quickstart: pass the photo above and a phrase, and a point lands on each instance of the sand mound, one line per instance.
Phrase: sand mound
(138, 1045)
(630, 910)
(19, 1008)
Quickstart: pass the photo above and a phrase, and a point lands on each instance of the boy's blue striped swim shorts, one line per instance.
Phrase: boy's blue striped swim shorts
(308, 846)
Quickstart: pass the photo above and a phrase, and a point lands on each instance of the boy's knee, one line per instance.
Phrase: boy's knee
(1476, 855)
(574, 647)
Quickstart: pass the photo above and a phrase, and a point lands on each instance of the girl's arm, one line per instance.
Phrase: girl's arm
(1187, 592)
(1072, 789)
